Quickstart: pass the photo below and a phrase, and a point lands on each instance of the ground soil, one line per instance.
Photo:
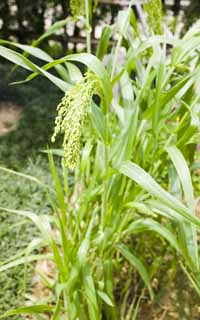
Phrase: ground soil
(10, 113)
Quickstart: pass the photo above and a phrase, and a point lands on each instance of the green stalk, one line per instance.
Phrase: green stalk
(88, 27)
(105, 183)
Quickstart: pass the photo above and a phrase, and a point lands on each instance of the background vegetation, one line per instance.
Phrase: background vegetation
(20, 150)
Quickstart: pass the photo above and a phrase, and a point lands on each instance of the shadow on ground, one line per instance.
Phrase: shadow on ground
(37, 101)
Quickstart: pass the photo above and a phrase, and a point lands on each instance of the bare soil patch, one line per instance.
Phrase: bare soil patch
(10, 113)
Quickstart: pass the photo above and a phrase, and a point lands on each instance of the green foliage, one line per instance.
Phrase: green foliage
(15, 233)
(77, 7)
(133, 177)
(20, 150)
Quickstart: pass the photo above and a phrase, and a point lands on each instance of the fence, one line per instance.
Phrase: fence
(25, 20)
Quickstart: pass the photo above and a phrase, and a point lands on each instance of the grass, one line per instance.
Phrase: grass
(20, 150)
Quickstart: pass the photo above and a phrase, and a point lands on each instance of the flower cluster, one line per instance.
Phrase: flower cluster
(77, 7)
(153, 9)
(72, 112)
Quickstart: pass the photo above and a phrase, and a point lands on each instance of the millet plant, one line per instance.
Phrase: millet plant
(130, 129)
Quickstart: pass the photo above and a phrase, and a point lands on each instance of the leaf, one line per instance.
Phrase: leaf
(143, 225)
(172, 92)
(56, 152)
(74, 72)
(108, 288)
(24, 260)
(184, 175)
(42, 222)
(66, 74)
(95, 65)
(160, 75)
(127, 91)
(103, 43)
(53, 29)
(141, 177)
(56, 314)
(186, 136)
(85, 243)
(58, 187)
(135, 262)
(188, 232)
(22, 61)
(25, 176)
(194, 279)
(165, 211)
(90, 294)
(98, 121)
(123, 147)
(119, 112)
(36, 52)
(174, 183)
(27, 310)
(105, 298)
(122, 22)
(194, 139)
(86, 152)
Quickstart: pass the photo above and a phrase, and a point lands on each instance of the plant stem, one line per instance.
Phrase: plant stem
(105, 183)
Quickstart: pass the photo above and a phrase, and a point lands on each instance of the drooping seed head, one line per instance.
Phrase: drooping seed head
(72, 111)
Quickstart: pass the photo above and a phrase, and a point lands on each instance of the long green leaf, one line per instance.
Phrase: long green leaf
(22, 61)
(27, 310)
(36, 52)
(98, 121)
(24, 260)
(141, 177)
(90, 294)
(188, 233)
(27, 177)
(184, 175)
(135, 262)
(142, 225)
(53, 29)
(94, 64)
(104, 42)
(40, 54)
(41, 221)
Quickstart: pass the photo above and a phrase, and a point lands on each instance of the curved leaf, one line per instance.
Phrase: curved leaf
(24, 62)
(24, 260)
(188, 232)
(95, 65)
(142, 225)
(140, 176)
(27, 310)
(135, 262)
